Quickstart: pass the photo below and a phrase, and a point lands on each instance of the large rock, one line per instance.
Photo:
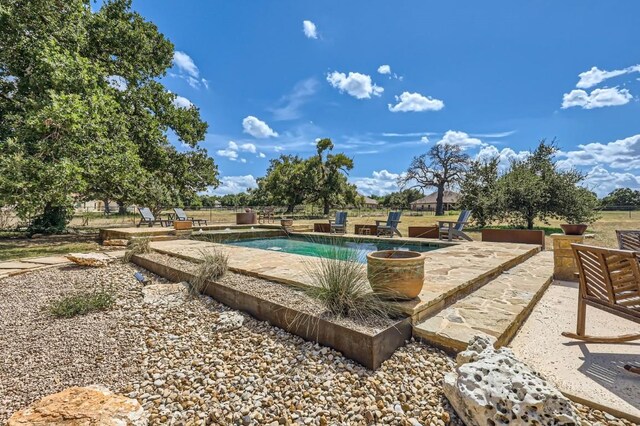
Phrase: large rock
(492, 387)
(116, 243)
(228, 321)
(77, 406)
(165, 294)
(96, 260)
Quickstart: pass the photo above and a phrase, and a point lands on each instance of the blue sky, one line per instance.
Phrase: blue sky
(387, 80)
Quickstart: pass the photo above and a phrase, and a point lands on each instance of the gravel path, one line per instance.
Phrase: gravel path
(184, 372)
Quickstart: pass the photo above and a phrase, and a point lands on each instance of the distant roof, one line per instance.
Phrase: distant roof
(368, 200)
(448, 197)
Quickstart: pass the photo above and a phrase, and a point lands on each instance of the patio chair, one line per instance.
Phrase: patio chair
(339, 224)
(610, 281)
(181, 215)
(149, 219)
(453, 228)
(391, 225)
(628, 240)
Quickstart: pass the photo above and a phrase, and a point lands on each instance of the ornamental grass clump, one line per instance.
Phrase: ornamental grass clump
(339, 281)
(137, 246)
(82, 303)
(214, 265)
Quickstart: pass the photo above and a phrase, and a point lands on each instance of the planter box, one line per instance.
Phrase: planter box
(321, 227)
(286, 222)
(522, 236)
(368, 350)
(246, 218)
(181, 225)
(373, 229)
(424, 232)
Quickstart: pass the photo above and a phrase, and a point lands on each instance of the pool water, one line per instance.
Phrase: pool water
(338, 248)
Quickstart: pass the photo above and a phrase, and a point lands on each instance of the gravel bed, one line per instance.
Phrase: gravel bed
(282, 294)
(184, 372)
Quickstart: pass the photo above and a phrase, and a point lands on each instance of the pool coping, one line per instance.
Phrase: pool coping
(370, 350)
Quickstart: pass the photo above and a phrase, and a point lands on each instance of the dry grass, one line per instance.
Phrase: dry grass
(214, 265)
(138, 245)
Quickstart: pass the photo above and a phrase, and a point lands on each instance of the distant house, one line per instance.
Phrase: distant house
(449, 198)
(370, 203)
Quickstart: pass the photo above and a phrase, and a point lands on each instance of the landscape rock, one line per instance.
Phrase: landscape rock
(115, 243)
(228, 321)
(165, 294)
(492, 386)
(82, 406)
(96, 260)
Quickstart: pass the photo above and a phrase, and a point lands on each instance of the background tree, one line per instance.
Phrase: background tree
(621, 197)
(443, 166)
(402, 199)
(83, 112)
(288, 182)
(477, 189)
(331, 186)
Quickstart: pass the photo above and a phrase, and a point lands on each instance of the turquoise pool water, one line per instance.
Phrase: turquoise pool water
(330, 248)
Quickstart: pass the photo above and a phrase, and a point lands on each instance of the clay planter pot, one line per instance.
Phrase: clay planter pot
(574, 229)
(396, 274)
(286, 222)
(180, 225)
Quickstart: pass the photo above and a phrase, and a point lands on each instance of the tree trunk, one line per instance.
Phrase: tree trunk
(290, 208)
(107, 210)
(122, 209)
(529, 222)
(439, 203)
(327, 207)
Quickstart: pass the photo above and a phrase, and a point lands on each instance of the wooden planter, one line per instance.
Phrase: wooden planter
(366, 229)
(321, 227)
(574, 229)
(286, 222)
(396, 273)
(424, 232)
(182, 225)
(250, 218)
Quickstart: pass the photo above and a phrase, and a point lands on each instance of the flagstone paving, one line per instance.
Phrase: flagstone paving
(497, 309)
(15, 267)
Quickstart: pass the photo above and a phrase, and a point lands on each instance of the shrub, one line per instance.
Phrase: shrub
(137, 246)
(214, 265)
(82, 303)
(340, 283)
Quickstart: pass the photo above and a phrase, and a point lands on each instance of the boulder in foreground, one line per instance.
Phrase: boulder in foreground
(95, 260)
(77, 406)
(492, 387)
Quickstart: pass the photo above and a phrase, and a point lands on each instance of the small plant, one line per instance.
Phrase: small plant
(340, 283)
(137, 246)
(82, 303)
(214, 265)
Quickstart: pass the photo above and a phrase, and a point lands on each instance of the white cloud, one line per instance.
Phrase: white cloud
(381, 183)
(235, 184)
(243, 160)
(602, 181)
(424, 139)
(355, 84)
(248, 147)
(505, 156)
(257, 128)
(182, 102)
(415, 102)
(291, 103)
(188, 70)
(261, 155)
(310, 30)
(596, 76)
(384, 69)
(229, 153)
(609, 96)
(233, 149)
(117, 82)
(462, 139)
(620, 154)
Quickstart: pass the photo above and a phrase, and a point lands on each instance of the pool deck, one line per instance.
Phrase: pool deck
(450, 272)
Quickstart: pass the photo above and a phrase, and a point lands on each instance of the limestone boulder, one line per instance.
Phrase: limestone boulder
(93, 405)
(492, 387)
(165, 294)
(228, 321)
(115, 243)
(96, 260)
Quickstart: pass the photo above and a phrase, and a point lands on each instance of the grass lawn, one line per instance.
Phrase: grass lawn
(18, 248)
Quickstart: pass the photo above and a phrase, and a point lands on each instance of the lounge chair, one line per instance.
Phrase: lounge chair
(391, 225)
(610, 281)
(453, 229)
(628, 240)
(339, 224)
(266, 215)
(181, 215)
(149, 219)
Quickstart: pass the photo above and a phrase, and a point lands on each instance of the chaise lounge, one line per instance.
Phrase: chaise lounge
(182, 215)
(149, 219)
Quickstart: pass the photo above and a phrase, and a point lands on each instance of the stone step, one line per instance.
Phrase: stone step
(498, 308)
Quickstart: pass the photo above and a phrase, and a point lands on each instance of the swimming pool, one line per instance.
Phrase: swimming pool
(332, 248)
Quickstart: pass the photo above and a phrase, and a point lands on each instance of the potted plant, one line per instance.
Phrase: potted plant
(397, 274)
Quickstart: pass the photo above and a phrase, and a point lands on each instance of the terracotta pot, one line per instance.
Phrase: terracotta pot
(397, 274)
(286, 222)
(180, 225)
(574, 229)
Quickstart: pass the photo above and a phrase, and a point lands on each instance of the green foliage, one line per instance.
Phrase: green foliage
(53, 220)
(67, 128)
(214, 265)
(401, 199)
(622, 197)
(82, 303)
(531, 190)
(340, 283)
(443, 166)
(135, 246)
